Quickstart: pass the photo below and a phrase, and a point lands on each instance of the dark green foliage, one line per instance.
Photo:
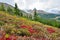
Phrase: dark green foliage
(35, 14)
(2, 8)
(10, 10)
(49, 22)
(21, 14)
(17, 11)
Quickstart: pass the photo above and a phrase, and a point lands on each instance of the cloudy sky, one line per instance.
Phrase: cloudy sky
(39, 4)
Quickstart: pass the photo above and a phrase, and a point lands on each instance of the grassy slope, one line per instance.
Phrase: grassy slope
(11, 22)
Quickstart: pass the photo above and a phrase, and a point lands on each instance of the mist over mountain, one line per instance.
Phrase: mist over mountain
(55, 11)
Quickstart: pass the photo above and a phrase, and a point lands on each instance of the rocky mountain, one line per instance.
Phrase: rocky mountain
(44, 14)
(6, 5)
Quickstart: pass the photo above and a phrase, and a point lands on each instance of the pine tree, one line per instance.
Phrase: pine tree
(17, 11)
(35, 14)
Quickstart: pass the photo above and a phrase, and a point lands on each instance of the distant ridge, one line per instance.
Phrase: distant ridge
(6, 5)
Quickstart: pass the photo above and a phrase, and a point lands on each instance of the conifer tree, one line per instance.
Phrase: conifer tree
(35, 14)
(17, 11)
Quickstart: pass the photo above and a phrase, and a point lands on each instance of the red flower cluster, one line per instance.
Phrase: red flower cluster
(30, 29)
(11, 37)
(4, 37)
(50, 30)
(23, 26)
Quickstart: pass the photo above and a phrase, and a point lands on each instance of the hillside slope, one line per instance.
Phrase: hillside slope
(23, 27)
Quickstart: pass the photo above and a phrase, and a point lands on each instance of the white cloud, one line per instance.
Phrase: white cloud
(39, 4)
(16, 1)
(21, 3)
(53, 5)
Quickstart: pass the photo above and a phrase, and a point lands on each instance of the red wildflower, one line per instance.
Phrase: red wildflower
(50, 30)
(8, 39)
(23, 26)
(31, 31)
(12, 37)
